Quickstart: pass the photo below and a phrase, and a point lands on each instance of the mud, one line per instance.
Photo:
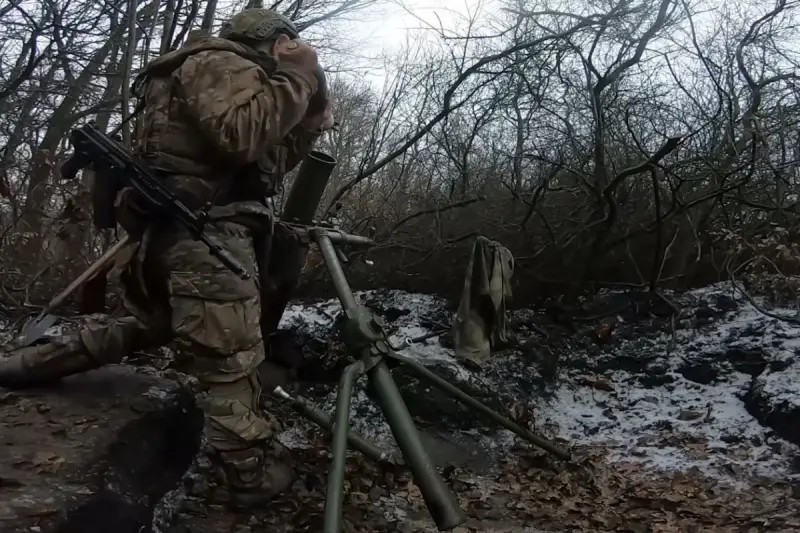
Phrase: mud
(94, 453)
(681, 412)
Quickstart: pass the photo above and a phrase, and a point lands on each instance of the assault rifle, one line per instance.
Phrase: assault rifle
(117, 168)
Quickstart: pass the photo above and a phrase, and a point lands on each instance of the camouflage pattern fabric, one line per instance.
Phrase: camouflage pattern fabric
(178, 291)
(481, 317)
(240, 132)
(222, 123)
(242, 120)
(258, 24)
(214, 316)
(92, 347)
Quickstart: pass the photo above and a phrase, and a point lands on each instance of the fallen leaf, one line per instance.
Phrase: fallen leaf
(47, 462)
(599, 383)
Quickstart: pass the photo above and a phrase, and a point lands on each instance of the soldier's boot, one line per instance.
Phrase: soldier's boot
(45, 363)
(255, 476)
(87, 349)
(249, 467)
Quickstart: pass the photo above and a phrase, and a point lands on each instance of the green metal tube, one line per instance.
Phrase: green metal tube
(340, 237)
(454, 391)
(439, 499)
(308, 187)
(340, 284)
(310, 411)
(336, 236)
(335, 491)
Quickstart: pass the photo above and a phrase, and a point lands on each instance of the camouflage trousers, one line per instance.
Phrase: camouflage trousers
(177, 291)
(214, 318)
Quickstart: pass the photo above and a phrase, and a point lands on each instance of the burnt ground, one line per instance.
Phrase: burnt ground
(94, 453)
(681, 413)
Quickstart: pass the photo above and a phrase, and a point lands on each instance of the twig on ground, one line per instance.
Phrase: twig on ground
(758, 307)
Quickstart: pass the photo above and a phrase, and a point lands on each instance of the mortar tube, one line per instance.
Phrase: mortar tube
(454, 391)
(308, 187)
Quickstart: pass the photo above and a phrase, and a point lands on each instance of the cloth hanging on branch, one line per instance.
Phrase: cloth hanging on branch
(481, 317)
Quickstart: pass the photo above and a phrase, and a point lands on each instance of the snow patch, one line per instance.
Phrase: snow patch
(782, 388)
(677, 424)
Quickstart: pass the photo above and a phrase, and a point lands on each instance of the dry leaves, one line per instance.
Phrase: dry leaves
(592, 496)
(597, 382)
(47, 462)
(603, 331)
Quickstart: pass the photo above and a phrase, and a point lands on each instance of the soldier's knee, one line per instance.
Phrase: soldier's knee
(217, 328)
(112, 342)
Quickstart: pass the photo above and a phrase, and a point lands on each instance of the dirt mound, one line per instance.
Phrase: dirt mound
(95, 453)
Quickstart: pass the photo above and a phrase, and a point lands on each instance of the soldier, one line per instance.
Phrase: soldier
(223, 119)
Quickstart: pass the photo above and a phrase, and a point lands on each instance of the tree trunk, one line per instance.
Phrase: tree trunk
(38, 193)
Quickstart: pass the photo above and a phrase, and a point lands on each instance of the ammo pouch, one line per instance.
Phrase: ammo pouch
(131, 213)
(106, 185)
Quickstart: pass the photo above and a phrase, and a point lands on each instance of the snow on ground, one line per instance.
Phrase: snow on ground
(782, 388)
(685, 423)
(677, 401)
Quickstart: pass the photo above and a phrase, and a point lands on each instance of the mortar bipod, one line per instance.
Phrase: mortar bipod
(366, 341)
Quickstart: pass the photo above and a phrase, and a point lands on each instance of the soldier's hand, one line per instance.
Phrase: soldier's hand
(319, 114)
(299, 53)
(320, 121)
(295, 52)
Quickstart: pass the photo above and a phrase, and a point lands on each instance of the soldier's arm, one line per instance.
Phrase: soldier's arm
(237, 107)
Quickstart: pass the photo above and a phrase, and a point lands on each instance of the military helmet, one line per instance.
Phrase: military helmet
(258, 24)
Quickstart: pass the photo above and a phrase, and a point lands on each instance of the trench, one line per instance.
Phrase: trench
(147, 459)
(783, 419)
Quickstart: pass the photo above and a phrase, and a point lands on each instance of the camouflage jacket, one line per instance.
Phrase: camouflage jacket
(222, 122)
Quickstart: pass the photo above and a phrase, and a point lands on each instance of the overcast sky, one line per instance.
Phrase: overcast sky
(386, 28)
(389, 25)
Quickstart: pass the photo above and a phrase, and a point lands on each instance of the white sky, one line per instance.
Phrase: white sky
(390, 28)
(386, 28)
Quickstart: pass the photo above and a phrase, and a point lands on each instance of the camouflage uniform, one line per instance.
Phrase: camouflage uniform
(222, 123)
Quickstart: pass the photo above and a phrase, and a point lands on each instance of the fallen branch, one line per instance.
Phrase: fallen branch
(758, 307)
